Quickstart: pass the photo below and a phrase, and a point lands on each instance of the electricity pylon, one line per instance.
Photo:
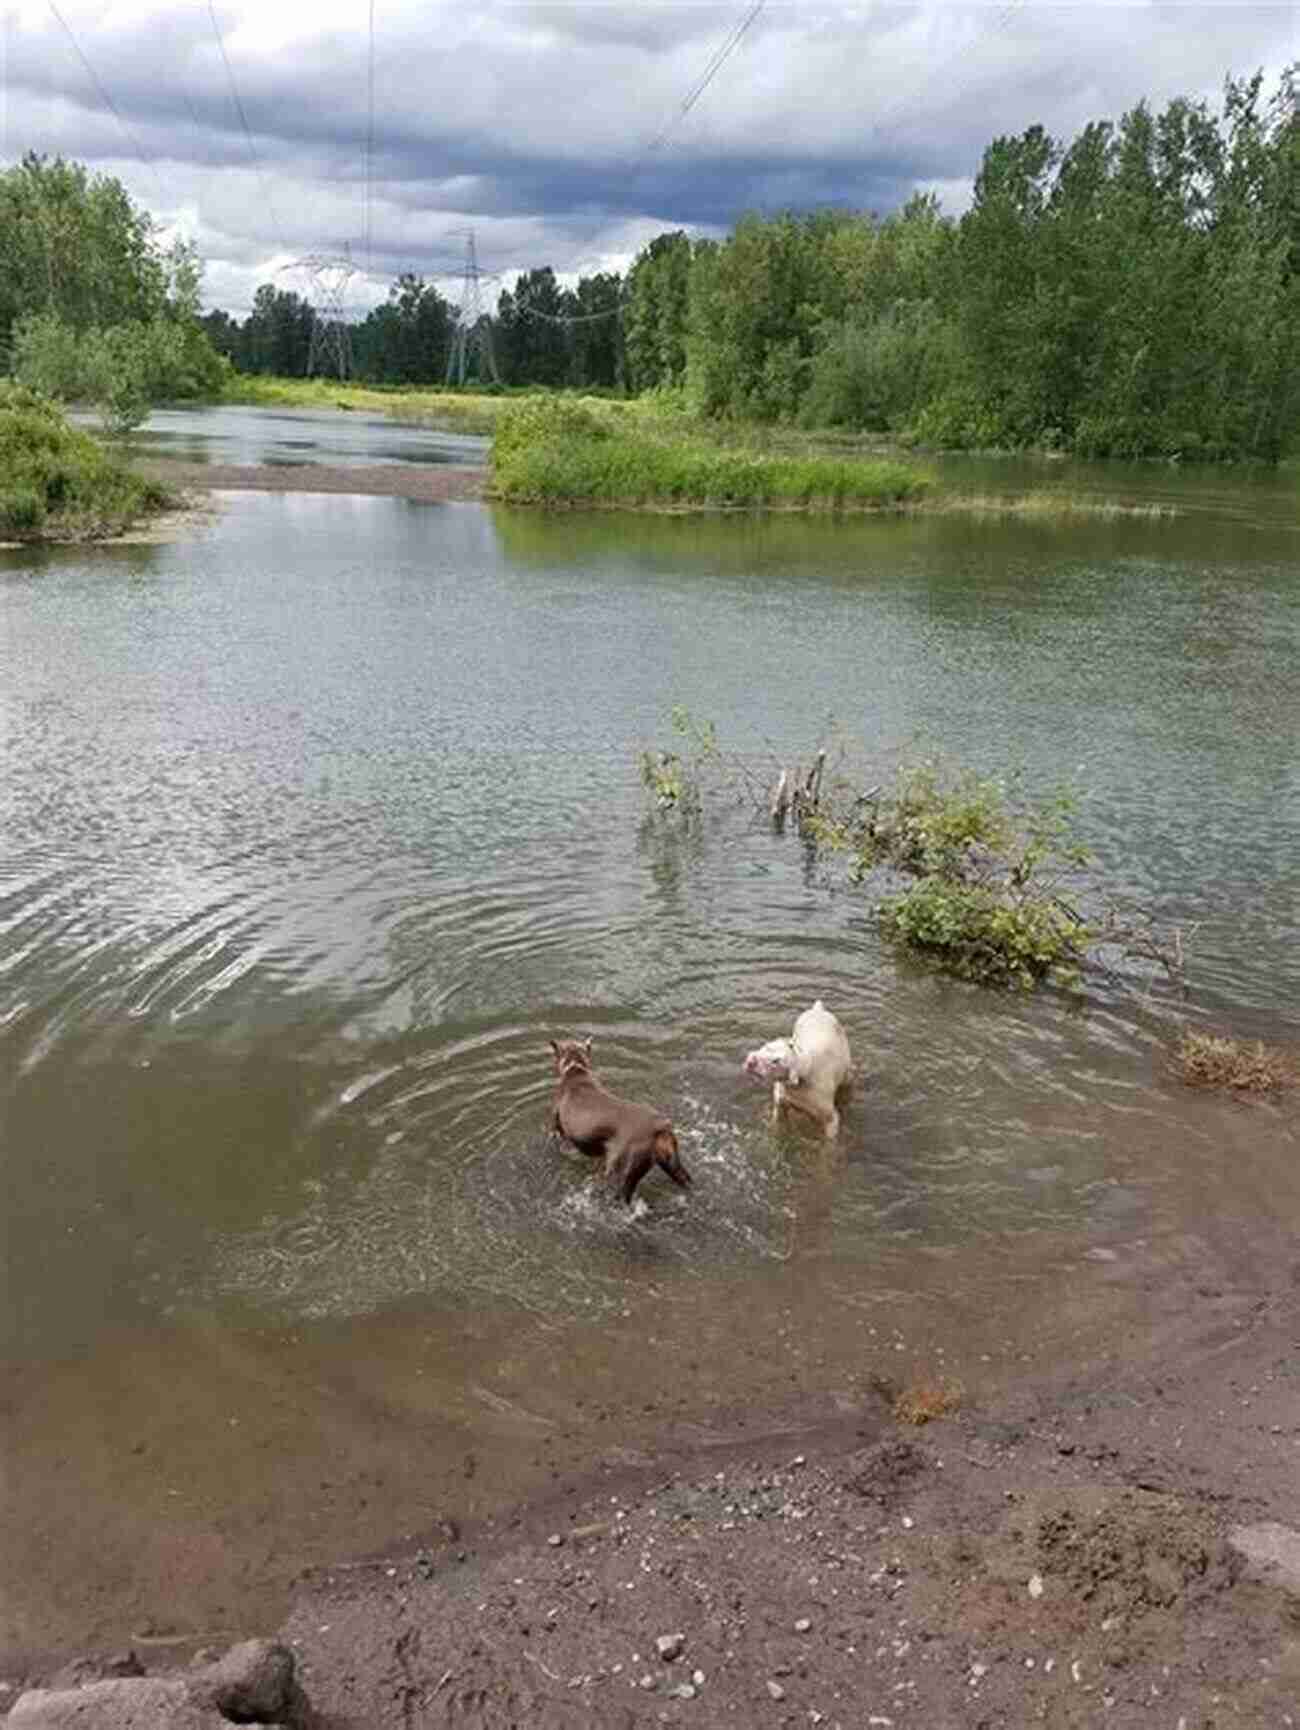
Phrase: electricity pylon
(472, 338)
(331, 335)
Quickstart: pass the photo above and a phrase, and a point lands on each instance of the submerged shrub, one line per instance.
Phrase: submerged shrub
(986, 934)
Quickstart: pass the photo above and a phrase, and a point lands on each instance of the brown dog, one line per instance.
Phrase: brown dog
(631, 1137)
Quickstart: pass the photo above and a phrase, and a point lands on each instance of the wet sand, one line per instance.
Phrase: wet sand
(1068, 1548)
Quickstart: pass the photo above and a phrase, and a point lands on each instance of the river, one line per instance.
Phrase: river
(317, 824)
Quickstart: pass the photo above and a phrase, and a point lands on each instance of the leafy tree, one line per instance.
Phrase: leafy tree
(656, 313)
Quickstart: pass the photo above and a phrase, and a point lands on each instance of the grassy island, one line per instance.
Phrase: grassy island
(551, 452)
(60, 484)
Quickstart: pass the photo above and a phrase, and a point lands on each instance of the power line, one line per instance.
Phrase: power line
(370, 129)
(716, 62)
(243, 121)
(145, 159)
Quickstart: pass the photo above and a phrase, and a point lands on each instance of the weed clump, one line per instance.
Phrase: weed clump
(924, 1401)
(1209, 1060)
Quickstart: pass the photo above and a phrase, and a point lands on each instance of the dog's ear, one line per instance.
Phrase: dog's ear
(554, 1045)
(587, 1043)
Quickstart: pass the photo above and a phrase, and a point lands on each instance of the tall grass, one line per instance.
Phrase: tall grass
(58, 483)
(558, 453)
(465, 411)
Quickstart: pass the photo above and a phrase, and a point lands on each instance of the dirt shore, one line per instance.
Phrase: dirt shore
(1086, 1548)
(426, 483)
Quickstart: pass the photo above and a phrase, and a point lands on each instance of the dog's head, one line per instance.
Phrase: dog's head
(775, 1061)
(570, 1055)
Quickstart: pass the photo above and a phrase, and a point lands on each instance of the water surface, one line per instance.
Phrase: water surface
(315, 829)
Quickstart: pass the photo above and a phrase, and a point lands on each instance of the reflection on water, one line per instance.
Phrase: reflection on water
(315, 830)
(290, 436)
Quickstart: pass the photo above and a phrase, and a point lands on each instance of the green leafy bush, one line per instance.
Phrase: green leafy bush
(22, 510)
(59, 483)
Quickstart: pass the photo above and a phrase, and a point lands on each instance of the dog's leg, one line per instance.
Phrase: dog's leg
(669, 1160)
(626, 1167)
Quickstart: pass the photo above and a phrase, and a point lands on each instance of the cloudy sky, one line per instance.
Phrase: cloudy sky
(568, 133)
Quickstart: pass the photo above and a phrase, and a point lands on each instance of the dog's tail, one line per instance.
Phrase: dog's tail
(665, 1150)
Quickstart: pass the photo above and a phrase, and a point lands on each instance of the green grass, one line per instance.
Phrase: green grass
(564, 453)
(60, 484)
(465, 411)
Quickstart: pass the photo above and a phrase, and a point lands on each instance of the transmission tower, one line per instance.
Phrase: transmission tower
(331, 334)
(471, 340)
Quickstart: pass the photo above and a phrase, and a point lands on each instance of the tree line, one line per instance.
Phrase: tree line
(543, 334)
(1135, 291)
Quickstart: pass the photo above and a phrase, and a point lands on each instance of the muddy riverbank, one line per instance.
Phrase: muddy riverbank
(1085, 1541)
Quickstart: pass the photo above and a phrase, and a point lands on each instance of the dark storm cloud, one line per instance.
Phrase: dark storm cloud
(535, 122)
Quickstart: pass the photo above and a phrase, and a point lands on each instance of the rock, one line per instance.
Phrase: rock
(776, 1690)
(555, 1540)
(1272, 1550)
(253, 1684)
(684, 1691)
(132, 1703)
(1035, 1585)
(803, 1625)
(669, 1646)
(96, 1669)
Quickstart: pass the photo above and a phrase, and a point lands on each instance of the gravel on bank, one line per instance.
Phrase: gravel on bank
(426, 483)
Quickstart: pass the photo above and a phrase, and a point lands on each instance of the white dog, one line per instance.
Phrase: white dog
(808, 1069)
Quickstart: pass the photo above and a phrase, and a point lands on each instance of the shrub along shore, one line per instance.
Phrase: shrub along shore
(58, 483)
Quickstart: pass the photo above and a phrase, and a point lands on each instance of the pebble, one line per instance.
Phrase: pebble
(684, 1691)
(776, 1690)
(555, 1540)
(669, 1646)
(803, 1625)
(697, 1676)
(1035, 1585)
(647, 1681)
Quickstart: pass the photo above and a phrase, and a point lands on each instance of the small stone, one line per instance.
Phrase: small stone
(803, 1625)
(555, 1540)
(647, 1681)
(776, 1690)
(697, 1676)
(1035, 1585)
(669, 1646)
(908, 1522)
(683, 1691)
